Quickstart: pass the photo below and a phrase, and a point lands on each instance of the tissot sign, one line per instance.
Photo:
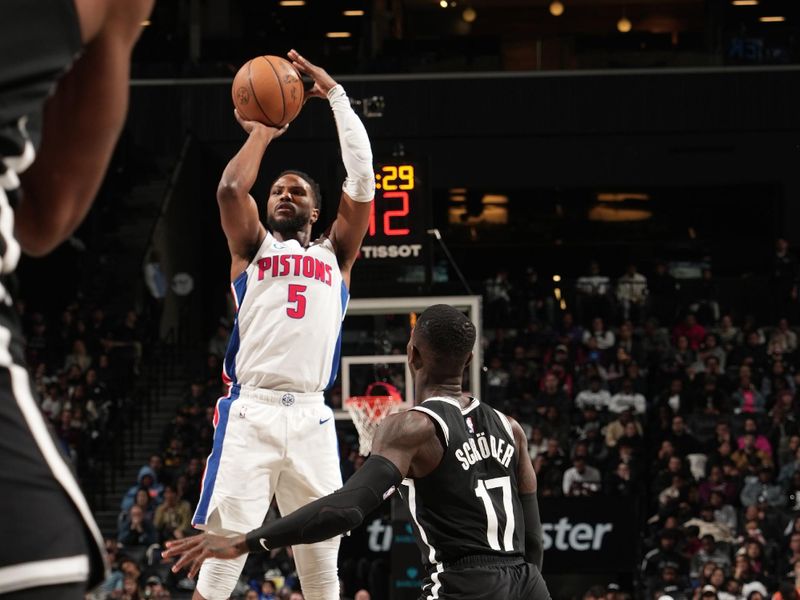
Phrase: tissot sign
(588, 534)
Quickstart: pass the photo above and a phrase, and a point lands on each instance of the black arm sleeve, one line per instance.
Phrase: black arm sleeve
(534, 544)
(332, 515)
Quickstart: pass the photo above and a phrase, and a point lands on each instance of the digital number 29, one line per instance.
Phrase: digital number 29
(391, 173)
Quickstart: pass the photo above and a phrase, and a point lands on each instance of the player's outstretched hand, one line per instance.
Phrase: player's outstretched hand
(249, 126)
(192, 551)
(322, 81)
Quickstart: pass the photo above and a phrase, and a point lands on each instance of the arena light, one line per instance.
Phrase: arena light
(338, 34)
(353, 13)
(775, 19)
(458, 194)
(621, 197)
(469, 15)
(612, 214)
(443, 3)
(292, 2)
(556, 8)
(745, 2)
(556, 278)
(624, 25)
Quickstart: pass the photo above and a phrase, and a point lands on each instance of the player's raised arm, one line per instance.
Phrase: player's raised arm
(81, 124)
(237, 208)
(358, 191)
(404, 444)
(527, 486)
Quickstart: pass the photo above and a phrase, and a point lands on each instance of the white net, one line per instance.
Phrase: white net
(367, 413)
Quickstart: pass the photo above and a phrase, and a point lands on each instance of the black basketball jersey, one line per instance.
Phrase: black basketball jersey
(39, 40)
(469, 505)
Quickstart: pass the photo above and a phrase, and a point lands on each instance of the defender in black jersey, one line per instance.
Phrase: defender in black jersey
(64, 68)
(461, 466)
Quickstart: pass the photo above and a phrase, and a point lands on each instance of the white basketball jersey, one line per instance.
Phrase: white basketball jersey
(290, 303)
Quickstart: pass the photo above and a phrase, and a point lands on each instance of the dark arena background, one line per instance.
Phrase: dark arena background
(609, 188)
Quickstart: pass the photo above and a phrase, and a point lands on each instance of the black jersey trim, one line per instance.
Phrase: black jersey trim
(438, 567)
(506, 424)
(437, 419)
(485, 560)
(472, 406)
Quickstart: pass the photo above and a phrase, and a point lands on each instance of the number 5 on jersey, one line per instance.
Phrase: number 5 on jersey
(296, 297)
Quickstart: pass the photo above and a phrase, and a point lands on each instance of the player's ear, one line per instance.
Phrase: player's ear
(469, 359)
(314, 215)
(414, 357)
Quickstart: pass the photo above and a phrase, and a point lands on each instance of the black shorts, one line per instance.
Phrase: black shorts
(36, 512)
(67, 591)
(46, 539)
(488, 578)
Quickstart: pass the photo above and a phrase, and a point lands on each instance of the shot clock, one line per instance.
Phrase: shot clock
(399, 215)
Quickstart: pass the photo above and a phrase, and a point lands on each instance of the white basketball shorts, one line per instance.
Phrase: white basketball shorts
(266, 443)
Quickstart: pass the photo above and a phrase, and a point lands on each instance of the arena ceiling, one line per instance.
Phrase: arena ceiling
(399, 35)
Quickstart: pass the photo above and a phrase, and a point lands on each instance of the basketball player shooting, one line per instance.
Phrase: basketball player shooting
(461, 466)
(274, 435)
(65, 63)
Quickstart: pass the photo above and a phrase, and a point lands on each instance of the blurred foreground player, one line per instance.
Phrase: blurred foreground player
(461, 466)
(78, 51)
(273, 433)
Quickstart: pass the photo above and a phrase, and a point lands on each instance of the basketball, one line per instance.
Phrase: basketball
(268, 89)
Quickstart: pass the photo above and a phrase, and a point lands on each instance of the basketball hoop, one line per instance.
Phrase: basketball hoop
(368, 411)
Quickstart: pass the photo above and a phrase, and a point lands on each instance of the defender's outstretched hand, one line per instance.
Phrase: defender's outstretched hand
(192, 551)
(322, 81)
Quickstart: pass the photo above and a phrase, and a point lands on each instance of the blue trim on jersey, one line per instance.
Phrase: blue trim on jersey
(212, 465)
(239, 289)
(337, 354)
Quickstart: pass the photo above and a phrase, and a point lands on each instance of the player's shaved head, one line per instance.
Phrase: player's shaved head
(447, 336)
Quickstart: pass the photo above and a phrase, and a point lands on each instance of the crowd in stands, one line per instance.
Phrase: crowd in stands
(83, 363)
(681, 403)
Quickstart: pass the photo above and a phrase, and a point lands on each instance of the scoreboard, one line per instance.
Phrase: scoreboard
(399, 218)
